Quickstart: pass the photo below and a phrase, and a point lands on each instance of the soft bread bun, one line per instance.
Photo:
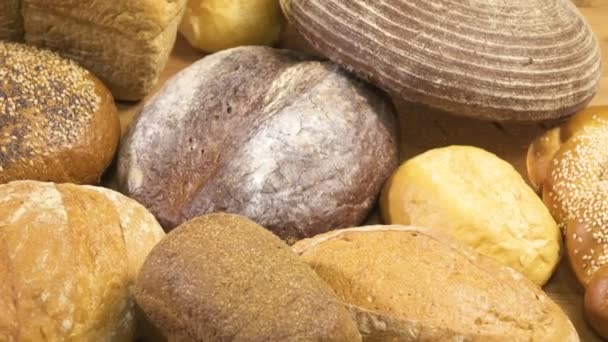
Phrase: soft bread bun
(58, 122)
(479, 199)
(569, 165)
(69, 256)
(413, 284)
(126, 43)
(222, 277)
(11, 22)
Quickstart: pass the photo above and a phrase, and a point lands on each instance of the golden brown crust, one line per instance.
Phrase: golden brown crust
(596, 302)
(58, 122)
(64, 251)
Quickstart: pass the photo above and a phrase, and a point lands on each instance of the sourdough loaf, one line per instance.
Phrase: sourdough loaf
(298, 146)
(69, 256)
(222, 277)
(413, 284)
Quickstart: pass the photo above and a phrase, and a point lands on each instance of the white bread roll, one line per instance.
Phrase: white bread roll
(69, 256)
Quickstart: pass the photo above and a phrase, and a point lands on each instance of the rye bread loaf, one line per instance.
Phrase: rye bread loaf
(224, 278)
(297, 146)
(517, 60)
(126, 43)
(69, 256)
(413, 284)
(58, 122)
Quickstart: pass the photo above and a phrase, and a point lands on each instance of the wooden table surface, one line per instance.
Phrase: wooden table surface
(423, 129)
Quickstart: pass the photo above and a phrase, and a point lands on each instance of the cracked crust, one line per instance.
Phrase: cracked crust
(299, 147)
(414, 284)
(68, 261)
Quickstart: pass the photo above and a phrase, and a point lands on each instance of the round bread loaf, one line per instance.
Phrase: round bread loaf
(224, 278)
(568, 164)
(516, 60)
(58, 122)
(69, 256)
(479, 199)
(299, 147)
(413, 284)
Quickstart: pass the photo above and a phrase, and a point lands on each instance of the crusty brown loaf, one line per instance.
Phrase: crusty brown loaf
(69, 256)
(516, 60)
(297, 146)
(224, 278)
(11, 22)
(413, 284)
(58, 122)
(126, 43)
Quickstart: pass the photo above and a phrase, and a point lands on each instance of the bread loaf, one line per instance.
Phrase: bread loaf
(222, 277)
(126, 43)
(519, 60)
(413, 284)
(298, 147)
(58, 122)
(69, 256)
(11, 22)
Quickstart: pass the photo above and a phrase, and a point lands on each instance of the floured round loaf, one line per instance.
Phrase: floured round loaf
(476, 198)
(300, 147)
(222, 277)
(517, 60)
(58, 122)
(413, 284)
(69, 256)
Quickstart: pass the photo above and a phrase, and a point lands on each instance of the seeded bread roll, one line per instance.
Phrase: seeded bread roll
(58, 122)
(413, 284)
(224, 278)
(69, 256)
(298, 146)
(568, 164)
(126, 43)
(11, 22)
(479, 199)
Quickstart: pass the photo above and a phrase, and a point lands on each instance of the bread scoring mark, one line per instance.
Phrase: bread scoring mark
(45, 102)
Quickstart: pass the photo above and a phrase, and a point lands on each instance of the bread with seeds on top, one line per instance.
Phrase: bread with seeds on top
(58, 122)
(569, 164)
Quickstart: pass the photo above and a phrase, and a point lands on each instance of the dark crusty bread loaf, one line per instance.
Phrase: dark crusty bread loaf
(57, 121)
(517, 60)
(299, 147)
(223, 278)
(11, 22)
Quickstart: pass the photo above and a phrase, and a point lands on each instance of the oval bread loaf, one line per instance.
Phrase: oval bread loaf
(222, 277)
(479, 199)
(69, 256)
(58, 122)
(413, 284)
(297, 146)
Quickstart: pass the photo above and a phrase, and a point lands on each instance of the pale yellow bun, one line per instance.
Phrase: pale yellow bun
(479, 199)
(69, 256)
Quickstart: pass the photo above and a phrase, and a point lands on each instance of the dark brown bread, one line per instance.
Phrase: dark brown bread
(58, 122)
(224, 278)
(298, 147)
(517, 60)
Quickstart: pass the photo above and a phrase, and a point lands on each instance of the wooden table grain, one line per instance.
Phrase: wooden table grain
(423, 129)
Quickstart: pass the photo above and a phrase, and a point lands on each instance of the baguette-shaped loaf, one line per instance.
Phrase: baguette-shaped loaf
(69, 256)
(413, 284)
(126, 43)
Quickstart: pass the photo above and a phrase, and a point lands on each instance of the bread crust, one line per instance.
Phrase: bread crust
(11, 22)
(58, 122)
(415, 284)
(297, 146)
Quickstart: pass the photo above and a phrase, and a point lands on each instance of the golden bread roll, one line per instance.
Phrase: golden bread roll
(414, 284)
(58, 122)
(480, 200)
(69, 256)
(569, 164)
(126, 43)
(214, 25)
(222, 277)
(11, 22)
